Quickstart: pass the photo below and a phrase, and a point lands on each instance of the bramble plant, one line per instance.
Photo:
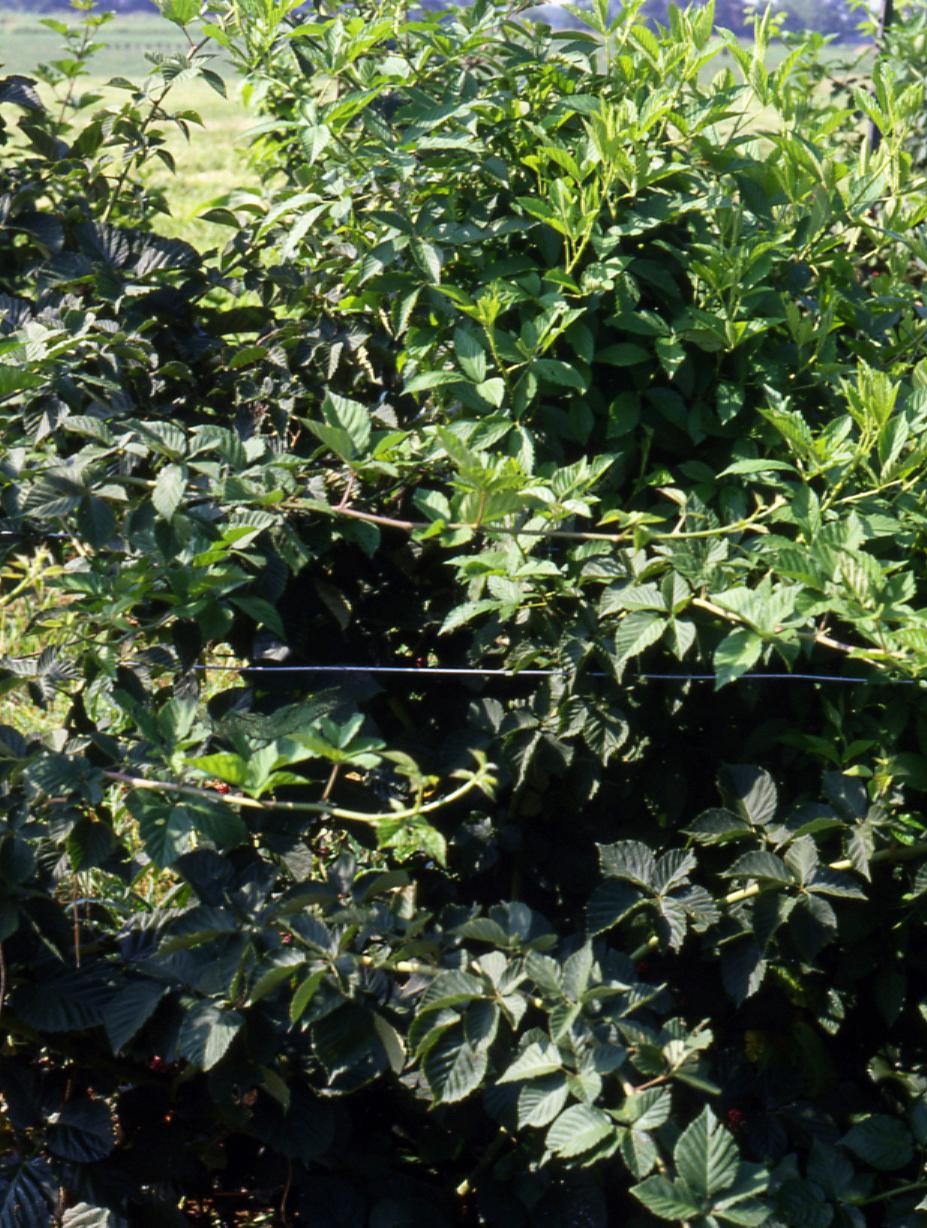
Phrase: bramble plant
(592, 363)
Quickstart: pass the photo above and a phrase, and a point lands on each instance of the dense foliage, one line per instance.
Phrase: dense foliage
(591, 363)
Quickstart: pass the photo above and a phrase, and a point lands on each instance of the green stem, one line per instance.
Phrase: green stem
(912, 1187)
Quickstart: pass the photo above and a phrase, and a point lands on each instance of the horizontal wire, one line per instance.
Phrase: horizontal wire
(476, 672)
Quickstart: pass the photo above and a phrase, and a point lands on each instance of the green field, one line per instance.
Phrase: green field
(25, 42)
(206, 168)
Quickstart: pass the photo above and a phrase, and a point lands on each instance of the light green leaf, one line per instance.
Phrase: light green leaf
(636, 632)
(492, 390)
(168, 491)
(471, 354)
(737, 653)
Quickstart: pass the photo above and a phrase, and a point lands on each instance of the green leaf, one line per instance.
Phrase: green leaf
(262, 612)
(625, 354)
(540, 1102)
(428, 258)
(578, 1129)
(129, 1009)
(756, 466)
(667, 1199)
(763, 866)
(639, 1152)
(750, 791)
(166, 831)
(706, 1156)
(16, 379)
(538, 1059)
(181, 12)
(882, 1141)
(168, 491)
(431, 379)
(738, 652)
(83, 1132)
(628, 859)
(83, 1215)
(452, 989)
(304, 994)
(453, 1067)
(556, 372)
(471, 354)
(610, 903)
(647, 1110)
(206, 1031)
(492, 390)
(636, 632)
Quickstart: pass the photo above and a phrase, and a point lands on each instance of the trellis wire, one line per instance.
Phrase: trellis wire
(477, 672)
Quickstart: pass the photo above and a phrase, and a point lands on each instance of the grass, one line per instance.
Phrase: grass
(25, 42)
(211, 164)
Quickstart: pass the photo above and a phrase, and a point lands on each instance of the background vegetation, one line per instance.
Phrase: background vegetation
(578, 378)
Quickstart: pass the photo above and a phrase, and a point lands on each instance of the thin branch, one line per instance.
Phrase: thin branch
(477, 780)
(814, 637)
(899, 852)
(578, 535)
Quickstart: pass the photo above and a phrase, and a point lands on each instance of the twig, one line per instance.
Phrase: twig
(578, 535)
(815, 637)
(477, 780)
(899, 852)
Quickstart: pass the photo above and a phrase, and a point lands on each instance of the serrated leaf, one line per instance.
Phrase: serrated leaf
(452, 989)
(667, 1199)
(882, 1141)
(83, 1132)
(206, 1031)
(167, 494)
(647, 1110)
(639, 1152)
(83, 1215)
(706, 1156)
(492, 390)
(717, 827)
(540, 1058)
(630, 860)
(578, 1129)
(766, 867)
(470, 353)
(539, 1102)
(262, 612)
(611, 901)
(129, 1009)
(428, 258)
(742, 969)
(752, 792)
(453, 1067)
(636, 632)
(738, 652)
